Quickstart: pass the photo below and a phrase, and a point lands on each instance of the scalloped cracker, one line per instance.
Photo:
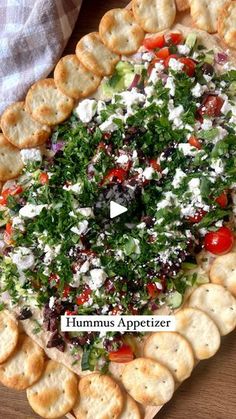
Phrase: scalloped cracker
(154, 15)
(10, 160)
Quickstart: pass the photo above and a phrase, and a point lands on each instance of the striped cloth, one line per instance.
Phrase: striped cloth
(33, 34)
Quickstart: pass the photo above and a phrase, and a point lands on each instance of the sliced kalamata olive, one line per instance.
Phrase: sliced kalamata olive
(148, 221)
(208, 69)
(56, 341)
(25, 313)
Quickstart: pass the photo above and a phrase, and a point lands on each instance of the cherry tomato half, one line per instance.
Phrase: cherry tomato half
(194, 142)
(123, 354)
(155, 165)
(163, 53)
(219, 242)
(115, 175)
(189, 66)
(14, 190)
(154, 42)
(83, 297)
(43, 178)
(197, 217)
(174, 38)
(211, 106)
(222, 200)
(152, 290)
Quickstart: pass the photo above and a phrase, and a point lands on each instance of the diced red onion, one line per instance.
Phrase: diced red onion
(5, 296)
(221, 58)
(135, 81)
(154, 306)
(163, 77)
(58, 146)
(136, 57)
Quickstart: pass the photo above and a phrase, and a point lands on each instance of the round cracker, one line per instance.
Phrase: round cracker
(95, 56)
(130, 409)
(218, 303)
(119, 31)
(223, 271)
(154, 15)
(198, 328)
(227, 23)
(205, 13)
(73, 79)
(148, 382)
(10, 160)
(21, 129)
(47, 104)
(55, 393)
(9, 334)
(173, 351)
(100, 398)
(25, 365)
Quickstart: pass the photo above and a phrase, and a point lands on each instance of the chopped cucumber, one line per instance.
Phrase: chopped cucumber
(124, 67)
(174, 300)
(232, 88)
(4, 216)
(209, 58)
(191, 40)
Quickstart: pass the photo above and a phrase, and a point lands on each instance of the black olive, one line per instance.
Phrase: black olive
(25, 313)
(207, 69)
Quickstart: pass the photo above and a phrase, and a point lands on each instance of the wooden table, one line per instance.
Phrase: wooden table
(210, 393)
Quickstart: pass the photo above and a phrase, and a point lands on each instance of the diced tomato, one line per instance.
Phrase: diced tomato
(197, 217)
(222, 200)
(152, 289)
(193, 141)
(211, 106)
(124, 354)
(8, 234)
(189, 66)
(115, 175)
(84, 296)
(168, 58)
(70, 313)
(43, 178)
(163, 53)
(116, 311)
(106, 135)
(9, 228)
(154, 42)
(14, 190)
(174, 38)
(54, 278)
(155, 165)
(219, 242)
(66, 291)
(134, 310)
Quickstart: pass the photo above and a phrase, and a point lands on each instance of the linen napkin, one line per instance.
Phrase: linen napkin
(33, 34)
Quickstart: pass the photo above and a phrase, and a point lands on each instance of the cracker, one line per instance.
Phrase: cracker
(154, 15)
(100, 398)
(47, 104)
(8, 335)
(73, 79)
(10, 160)
(95, 56)
(223, 271)
(205, 13)
(227, 23)
(182, 5)
(148, 382)
(173, 351)
(218, 303)
(119, 31)
(131, 409)
(198, 328)
(25, 365)
(55, 393)
(21, 129)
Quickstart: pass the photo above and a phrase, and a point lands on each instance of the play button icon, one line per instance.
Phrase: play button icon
(116, 209)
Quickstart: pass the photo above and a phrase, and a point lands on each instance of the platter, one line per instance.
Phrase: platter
(154, 410)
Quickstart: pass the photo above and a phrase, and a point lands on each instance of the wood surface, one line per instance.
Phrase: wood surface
(210, 392)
